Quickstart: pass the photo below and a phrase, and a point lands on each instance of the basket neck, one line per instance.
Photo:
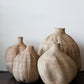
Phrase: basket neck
(60, 30)
(19, 40)
(30, 48)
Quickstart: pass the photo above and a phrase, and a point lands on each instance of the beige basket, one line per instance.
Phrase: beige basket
(67, 44)
(55, 67)
(25, 66)
(12, 52)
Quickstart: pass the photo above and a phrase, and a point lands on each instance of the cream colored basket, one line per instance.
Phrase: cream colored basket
(67, 45)
(55, 67)
(12, 51)
(25, 66)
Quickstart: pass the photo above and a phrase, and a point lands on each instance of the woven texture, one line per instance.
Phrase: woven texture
(55, 67)
(25, 66)
(12, 51)
(67, 45)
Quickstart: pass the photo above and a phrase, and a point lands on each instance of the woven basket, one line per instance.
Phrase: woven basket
(67, 45)
(12, 51)
(55, 67)
(25, 66)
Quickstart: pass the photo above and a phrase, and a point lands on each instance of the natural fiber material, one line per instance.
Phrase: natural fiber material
(25, 66)
(13, 51)
(55, 67)
(67, 45)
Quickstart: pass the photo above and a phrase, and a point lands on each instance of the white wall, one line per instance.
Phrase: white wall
(36, 19)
